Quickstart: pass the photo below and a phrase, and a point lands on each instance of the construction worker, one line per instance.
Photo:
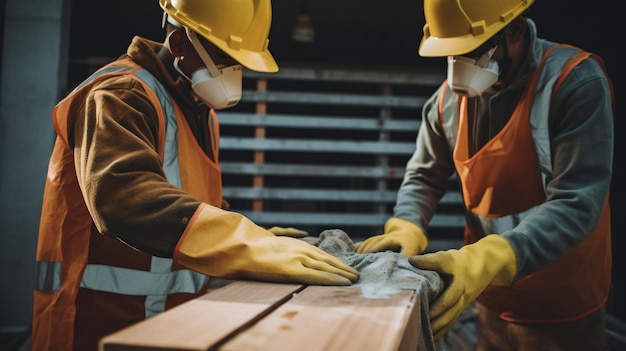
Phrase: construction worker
(526, 125)
(132, 221)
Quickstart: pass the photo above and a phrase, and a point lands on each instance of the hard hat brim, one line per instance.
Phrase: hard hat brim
(256, 61)
(441, 47)
(260, 61)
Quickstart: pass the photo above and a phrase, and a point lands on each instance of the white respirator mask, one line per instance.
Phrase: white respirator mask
(471, 77)
(217, 87)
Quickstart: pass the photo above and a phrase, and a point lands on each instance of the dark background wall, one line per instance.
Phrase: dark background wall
(378, 32)
(385, 33)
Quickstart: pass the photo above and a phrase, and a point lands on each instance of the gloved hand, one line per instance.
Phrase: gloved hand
(227, 245)
(400, 235)
(289, 231)
(489, 261)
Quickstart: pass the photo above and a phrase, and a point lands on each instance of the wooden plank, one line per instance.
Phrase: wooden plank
(335, 319)
(252, 316)
(334, 99)
(324, 194)
(228, 118)
(295, 170)
(405, 75)
(423, 77)
(330, 146)
(439, 220)
(204, 322)
(310, 194)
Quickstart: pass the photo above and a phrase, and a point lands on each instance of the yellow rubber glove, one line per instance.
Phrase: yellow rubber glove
(489, 261)
(227, 245)
(289, 231)
(400, 235)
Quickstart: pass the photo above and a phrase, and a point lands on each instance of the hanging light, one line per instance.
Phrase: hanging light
(303, 31)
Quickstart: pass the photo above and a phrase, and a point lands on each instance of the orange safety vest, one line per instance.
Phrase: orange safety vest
(88, 284)
(504, 178)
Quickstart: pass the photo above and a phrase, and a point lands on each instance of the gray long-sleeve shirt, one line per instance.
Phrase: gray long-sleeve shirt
(573, 133)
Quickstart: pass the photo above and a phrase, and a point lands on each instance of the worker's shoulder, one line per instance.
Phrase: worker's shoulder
(125, 87)
(118, 82)
(121, 91)
(589, 68)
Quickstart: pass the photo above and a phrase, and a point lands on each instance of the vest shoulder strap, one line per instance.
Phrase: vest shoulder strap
(573, 62)
(160, 98)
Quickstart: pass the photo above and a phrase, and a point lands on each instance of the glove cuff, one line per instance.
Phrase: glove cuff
(398, 224)
(501, 253)
(214, 241)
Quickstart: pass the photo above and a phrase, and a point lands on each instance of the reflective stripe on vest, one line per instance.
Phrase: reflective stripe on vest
(160, 280)
(170, 152)
(133, 282)
(48, 276)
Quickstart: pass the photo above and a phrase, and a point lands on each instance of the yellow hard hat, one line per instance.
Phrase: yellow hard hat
(456, 27)
(240, 28)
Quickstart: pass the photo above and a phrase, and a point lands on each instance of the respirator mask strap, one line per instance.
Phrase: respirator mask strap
(500, 40)
(484, 58)
(204, 56)
(218, 88)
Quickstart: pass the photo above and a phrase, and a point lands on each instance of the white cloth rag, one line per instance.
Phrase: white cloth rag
(385, 273)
